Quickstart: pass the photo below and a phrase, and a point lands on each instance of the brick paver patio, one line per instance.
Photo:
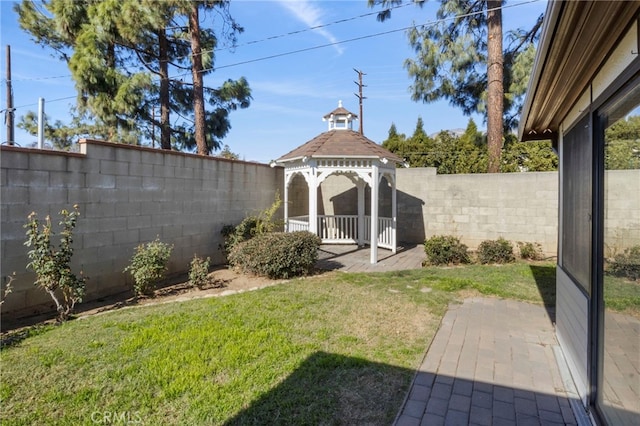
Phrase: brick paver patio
(492, 362)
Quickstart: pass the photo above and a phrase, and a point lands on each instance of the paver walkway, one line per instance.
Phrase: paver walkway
(492, 362)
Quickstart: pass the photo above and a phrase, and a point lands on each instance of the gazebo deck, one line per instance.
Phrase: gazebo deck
(352, 258)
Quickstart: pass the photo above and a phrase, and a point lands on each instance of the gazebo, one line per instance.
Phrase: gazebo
(341, 150)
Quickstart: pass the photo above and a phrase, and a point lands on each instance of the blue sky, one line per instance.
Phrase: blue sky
(292, 92)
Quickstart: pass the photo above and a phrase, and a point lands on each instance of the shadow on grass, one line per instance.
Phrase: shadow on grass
(340, 390)
(545, 276)
(331, 389)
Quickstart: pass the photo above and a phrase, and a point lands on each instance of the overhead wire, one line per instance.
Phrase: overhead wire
(307, 49)
(292, 33)
(262, 40)
(49, 101)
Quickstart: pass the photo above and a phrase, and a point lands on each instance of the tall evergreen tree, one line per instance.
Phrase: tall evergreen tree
(120, 53)
(461, 58)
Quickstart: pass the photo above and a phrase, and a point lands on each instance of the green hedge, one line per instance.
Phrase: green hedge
(277, 254)
(495, 251)
(445, 250)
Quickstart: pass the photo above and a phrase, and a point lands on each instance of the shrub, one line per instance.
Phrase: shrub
(51, 265)
(277, 254)
(199, 271)
(495, 251)
(251, 226)
(233, 235)
(627, 264)
(445, 250)
(148, 265)
(531, 251)
(7, 287)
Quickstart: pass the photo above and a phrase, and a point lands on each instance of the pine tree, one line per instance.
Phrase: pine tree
(462, 59)
(121, 52)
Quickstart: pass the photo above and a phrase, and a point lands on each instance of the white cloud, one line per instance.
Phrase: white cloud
(311, 15)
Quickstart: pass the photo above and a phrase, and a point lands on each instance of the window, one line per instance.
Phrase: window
(577, 171)
(618, 396)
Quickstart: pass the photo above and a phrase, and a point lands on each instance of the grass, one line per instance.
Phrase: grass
(339, 348)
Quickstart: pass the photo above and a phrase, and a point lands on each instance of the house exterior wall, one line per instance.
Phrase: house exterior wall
(576, 318)
(572, 329)
(126, 196)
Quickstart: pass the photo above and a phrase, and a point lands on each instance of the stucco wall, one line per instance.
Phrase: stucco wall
(126, 195)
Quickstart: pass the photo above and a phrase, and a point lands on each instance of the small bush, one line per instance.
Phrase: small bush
(7, 287)
(233, 235)
(445, 250)
(148, 265)
(277, 254)
(530, 251)
(251, 226)
(52, 265)
(199, 271)
(495, 251)
(627, 264)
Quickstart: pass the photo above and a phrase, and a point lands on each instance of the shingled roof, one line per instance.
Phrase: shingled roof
(340, 111)
(340, 143)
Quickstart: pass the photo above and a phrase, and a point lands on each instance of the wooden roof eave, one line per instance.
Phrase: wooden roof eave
(576, 41)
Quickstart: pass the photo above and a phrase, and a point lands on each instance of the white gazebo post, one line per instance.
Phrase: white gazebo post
(374, 212)
(361, 185)
(312, 183)
(286, 202)
(394, 214)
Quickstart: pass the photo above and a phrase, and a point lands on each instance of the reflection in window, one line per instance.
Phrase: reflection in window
(619, 396)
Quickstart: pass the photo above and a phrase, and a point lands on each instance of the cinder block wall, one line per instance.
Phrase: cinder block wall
(478, 207)
(126, 196)
(129, 195)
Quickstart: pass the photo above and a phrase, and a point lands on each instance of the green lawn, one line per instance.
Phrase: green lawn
(339, 348)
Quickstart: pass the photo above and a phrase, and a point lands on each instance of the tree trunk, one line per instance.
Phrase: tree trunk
(198, 91)
(495, 90)
(165, 127)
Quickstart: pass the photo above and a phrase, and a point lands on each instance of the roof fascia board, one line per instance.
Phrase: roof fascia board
(551, 18)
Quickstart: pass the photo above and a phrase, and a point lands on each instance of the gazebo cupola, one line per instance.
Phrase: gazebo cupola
(340, 118)
(342, 151)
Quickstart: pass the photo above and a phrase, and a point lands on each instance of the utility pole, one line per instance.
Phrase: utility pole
(9, 111)
(359, 96)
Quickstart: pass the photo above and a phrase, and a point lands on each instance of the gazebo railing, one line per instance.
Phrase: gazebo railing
(385, 231)
(343, 229)
(338, 228)
(299, 223)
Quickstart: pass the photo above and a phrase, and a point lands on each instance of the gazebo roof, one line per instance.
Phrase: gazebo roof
(340, 143)
(340, 111)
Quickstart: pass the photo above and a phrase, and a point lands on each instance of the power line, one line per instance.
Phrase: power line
(41, 78)
(52, 100)
(307, 49)
(265, 39)
(293, 52)
(304, 30)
